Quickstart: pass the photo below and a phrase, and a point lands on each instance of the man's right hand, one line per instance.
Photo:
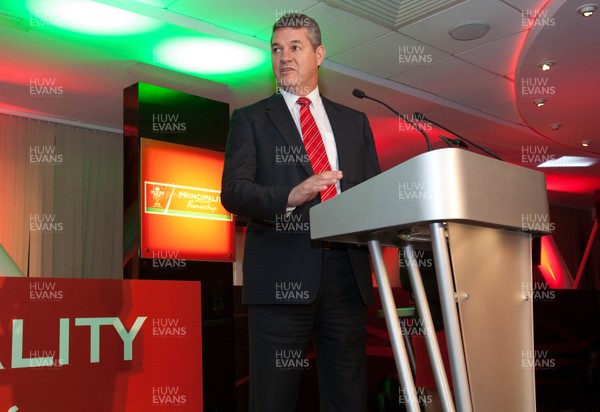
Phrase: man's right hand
(310, 188)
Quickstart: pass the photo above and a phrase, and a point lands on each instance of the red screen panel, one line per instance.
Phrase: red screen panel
(181, 212)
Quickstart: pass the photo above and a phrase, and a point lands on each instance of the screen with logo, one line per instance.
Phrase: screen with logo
(181, 212)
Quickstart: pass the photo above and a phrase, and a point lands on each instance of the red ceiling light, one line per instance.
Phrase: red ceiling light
(539, 102)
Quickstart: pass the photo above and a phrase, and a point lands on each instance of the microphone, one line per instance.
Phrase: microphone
(421, 117)
(453, 142)
(361, 95)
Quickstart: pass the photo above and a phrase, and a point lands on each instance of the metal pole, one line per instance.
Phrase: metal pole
(433, 348)
(456, 353)
(393, 325)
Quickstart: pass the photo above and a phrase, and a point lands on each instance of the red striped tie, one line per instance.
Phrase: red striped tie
(313, 143)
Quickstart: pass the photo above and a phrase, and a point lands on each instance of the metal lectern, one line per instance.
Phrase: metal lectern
(478, 215)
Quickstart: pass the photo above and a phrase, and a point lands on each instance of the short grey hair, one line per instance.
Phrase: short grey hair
(299, 21)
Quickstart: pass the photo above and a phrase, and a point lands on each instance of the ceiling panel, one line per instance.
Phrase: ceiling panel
(348, 31)
(499, 56)
(506, 111)
(435, 77)
(502, 19)
(393, 13)
(526, 6)
(389, 55)
(246, 17)
(483, 95)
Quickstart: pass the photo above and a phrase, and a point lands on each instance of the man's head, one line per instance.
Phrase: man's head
(296, 53)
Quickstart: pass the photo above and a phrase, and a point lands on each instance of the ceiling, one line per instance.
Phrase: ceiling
(398, 51)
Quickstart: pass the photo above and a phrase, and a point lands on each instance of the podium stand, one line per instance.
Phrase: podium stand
(478, 214)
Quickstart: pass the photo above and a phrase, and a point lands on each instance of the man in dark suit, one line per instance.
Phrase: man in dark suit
(297, 288)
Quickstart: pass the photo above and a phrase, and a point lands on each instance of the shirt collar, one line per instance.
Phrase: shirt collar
(290, 99)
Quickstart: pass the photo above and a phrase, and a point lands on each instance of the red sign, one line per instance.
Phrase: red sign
(181, 212)
(100, 345)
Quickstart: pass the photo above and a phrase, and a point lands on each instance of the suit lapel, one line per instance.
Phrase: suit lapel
(345, 137)
(281, 117)
(339, 128)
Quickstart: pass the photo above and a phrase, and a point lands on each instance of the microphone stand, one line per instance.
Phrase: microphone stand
(421, 116)
(361, 95)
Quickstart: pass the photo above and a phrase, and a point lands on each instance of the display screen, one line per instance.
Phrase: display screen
(182, 217)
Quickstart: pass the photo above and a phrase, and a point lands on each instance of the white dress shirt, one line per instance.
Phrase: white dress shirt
(318, 111)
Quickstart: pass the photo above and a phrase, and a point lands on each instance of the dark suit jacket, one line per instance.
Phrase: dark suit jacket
(264, 160)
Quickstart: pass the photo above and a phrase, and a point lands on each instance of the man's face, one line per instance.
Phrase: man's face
(295, 62)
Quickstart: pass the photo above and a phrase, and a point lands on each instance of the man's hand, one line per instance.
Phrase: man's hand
(310, 188)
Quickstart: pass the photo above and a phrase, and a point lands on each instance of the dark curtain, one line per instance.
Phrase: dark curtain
(572, 229)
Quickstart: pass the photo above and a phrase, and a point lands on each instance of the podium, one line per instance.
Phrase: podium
(478, 215)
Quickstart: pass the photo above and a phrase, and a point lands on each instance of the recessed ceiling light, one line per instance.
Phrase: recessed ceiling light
(545, 66)
(469, 31)
(587, 10)
(554, 126)
(207, 55)
(539, 102)
(585, 143)
(89, 17)
(569, 161)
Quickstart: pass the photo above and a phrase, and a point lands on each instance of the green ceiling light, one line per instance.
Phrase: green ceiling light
(203, 55)
(89, 17)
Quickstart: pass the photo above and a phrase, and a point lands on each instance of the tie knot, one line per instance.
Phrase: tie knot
(303, 101)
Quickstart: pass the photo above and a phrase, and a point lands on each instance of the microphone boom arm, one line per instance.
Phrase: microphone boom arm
(361, 95)
(421, 116)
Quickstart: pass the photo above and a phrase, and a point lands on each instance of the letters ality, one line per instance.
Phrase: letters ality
(127, 337)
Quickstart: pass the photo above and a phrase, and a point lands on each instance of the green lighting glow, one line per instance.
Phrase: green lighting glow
(89, 17)
(208, 55)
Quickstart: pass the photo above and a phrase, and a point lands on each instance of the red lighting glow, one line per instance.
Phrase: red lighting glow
(552, 265)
